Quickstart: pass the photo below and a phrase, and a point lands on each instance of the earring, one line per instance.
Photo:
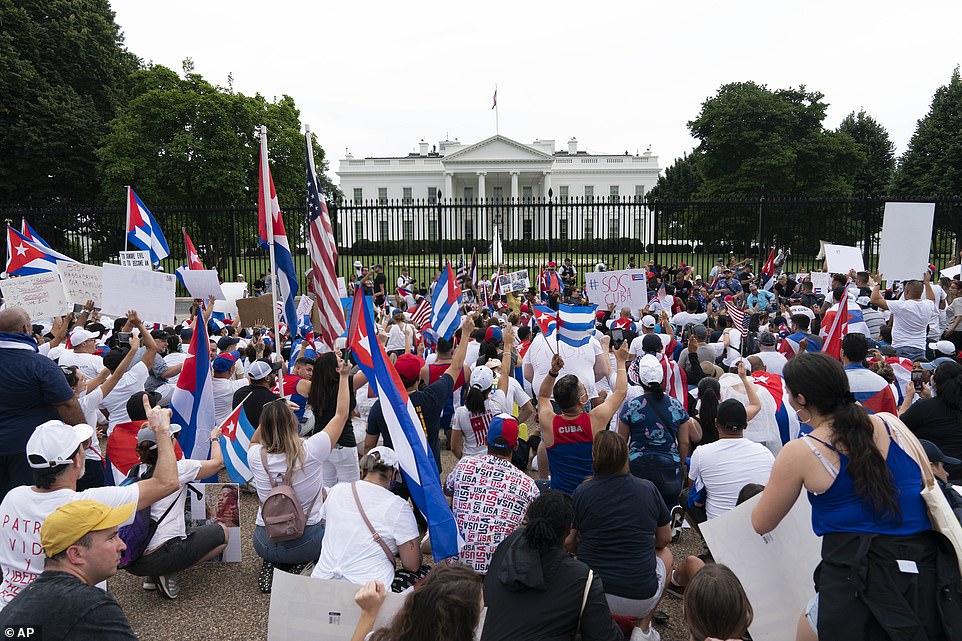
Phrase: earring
(801, 418)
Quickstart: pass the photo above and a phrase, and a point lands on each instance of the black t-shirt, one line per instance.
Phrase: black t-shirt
(616, 517)
(933, 420)
(65, 609)
(259, 397)
(380, 284)
(428, 403)
(323, 416)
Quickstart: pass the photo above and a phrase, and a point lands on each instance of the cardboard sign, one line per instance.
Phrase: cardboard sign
(257, 311)
(232, 292)
(40, 295)
(775, 569)
(623, 288)
(842, 258)
(514, 282)
(906, 240)
(202, 283)
(341, 287)
(821, 283)
(81, 282)
(138, 259)
(150, 293)
(216, 503)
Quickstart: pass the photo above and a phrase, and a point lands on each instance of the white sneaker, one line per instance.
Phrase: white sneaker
(637, 634)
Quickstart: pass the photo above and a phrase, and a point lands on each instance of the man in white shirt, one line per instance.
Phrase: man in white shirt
(648, 327)
(588, 363)
(224, 385)
(690, 316)
(774, 361)
(84, 353)
(910, 317)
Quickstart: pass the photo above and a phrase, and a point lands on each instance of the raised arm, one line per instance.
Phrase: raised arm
(342, 411)
(754, 404)
(508, 337)
(601, 415)
(877, 298)
(467, 326)
(114, 378)
(164, 481)
(545, 410)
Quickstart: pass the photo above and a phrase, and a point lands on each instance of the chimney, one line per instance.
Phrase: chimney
(572, 146)
(424, 147)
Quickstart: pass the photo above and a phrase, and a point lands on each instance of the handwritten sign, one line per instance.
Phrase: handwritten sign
(842, 258)
(622, 288)
(514, 282)
(150, 293)
(40, 295)
(232, 291)
(341, 287)
(821, 283)
(138, 259)
(81, 282)
(202, 283)
(906, 240)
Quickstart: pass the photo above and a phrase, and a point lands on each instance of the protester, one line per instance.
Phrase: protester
(773, 359)
(82, 546)
(482, 402)
(224, 385)
(341, 465)
(83, 353)
(870, 389)
(864, 488)
(937, 418)
(537, 589)
(716, 606)
(910, 317)
(261, 376)
(938, 460)
(134, 379)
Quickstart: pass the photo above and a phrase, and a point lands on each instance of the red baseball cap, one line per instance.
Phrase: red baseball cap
(552, 264)
(408, 367)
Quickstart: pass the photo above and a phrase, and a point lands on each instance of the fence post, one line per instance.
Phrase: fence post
(233, 245)
(550, 222)
(655, 230)
(439, 240)
(759, 257)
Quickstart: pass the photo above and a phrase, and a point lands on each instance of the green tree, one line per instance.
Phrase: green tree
(757, 142)
(680, 181)
(931, 167)
(873, 178)
(63, 73)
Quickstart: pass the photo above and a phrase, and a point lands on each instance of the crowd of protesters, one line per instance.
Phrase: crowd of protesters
(574, 469)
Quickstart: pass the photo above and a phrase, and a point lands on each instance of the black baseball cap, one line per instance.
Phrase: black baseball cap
(731, 414)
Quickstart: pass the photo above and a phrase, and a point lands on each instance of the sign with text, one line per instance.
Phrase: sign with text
(81, 282)
(150, 293)
(202, 283)
(775, 569)
(906, 240)
(514, 282)
(138, 259)
(622, 288)
(232, 292)
(40, 295)
(842, 258)
(821, 283)
(341, 287)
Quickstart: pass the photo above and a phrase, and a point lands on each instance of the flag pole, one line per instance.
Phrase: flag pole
(127, 222)
(497, 129)
(269, 223)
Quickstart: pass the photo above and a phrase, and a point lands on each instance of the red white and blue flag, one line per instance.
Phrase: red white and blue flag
(546, 318)
(473, 267)
(737, 316)
(235, 440)
(192, 402)
(871, 390)
(785, 416)
(446, 304)
(142, 229)
(28, 231)
(903, 375)
(193, 258)
(26, 257)
(285, 276)
(421, 316)
(832, 342)
(406, 430)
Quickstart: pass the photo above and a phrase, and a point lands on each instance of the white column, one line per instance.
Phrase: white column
(547, 183)
(515, 220)
(514, 184)
(481, 227)
(448, 185)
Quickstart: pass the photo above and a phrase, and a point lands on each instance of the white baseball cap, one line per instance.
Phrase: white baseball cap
(648, 321)
(649, 370)
(53, 442)
(386, 456)
(943, 347)
(79, 335)
(146, 434)
(482, 377)
(261, 369)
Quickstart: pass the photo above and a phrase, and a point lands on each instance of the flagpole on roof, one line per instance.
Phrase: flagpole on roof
(269, 223)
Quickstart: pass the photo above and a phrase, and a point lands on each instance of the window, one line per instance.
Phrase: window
(589, 227)
(527, 228)
(469, 229)
(432, 195)
(614, 227)
(469, 193)
(382, 195)
(613, 194)
(639, 193)
(406, 198)
(358, 194)
(358, 230)
(589, 194)
(527, 193)
(432, 227)
(408, 229)
(563, 193)
(497, 193)
(382, 230)
(563, 232)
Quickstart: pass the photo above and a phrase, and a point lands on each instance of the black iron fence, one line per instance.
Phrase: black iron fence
(421, 234)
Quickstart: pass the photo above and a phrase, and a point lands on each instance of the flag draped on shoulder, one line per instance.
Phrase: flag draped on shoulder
(323, 252)
(192, 402)
(407, 433)
(283, 272)
(235, 440)
(193, 258)
(871, 390)
(142, 229)
(576, 323)
(446, 304)
(26, 257)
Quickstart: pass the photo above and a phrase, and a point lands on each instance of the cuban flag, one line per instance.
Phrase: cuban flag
(142, 229)
(30, 234)
(768, 271)
(903, 375)
(871, 390)
(193, 258)
(856, 320)
(235, 439)
(407, 432)
(446, 304)
(193, 399)
(546, 318)
(837, 324)
(785, 416)
(473, 268)
(26, 257)
(576, 323)
(284, 274)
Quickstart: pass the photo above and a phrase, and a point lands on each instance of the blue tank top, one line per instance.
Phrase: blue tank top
(840, 509)
(570, 456)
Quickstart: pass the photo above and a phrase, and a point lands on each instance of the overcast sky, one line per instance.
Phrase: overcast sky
(377, 77)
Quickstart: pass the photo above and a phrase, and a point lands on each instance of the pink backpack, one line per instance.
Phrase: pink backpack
(281, 510)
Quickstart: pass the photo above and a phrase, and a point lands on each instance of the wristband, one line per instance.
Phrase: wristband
(553, 374)
(214, 439)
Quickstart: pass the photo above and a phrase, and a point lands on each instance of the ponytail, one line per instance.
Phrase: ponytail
(655, 389)
(475, 398)
(709, 396)
(549, 519)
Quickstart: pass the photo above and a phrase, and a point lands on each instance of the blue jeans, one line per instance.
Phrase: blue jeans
(912, 353)
(303, 550)
(663, 471)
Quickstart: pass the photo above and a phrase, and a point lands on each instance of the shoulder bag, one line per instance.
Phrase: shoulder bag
(374, 534)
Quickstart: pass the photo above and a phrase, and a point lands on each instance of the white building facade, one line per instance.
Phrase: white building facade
(595, 195)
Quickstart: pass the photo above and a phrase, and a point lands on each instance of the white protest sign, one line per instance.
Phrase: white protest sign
(775, 569)
(232, 291)
(341, 287)
(304, 305)
(150, 293)
(139, 259)
(842, 258)
(40, 295)
(81, 282)
(821, 283)
(202, 283)
(952, 272)
(623, 288)
(906, 240)
(217, 503)
(514, 282)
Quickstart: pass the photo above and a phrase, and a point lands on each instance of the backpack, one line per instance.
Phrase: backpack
(138, 534)
(281, 510)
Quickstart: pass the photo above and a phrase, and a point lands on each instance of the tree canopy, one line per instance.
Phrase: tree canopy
(878, 150)
(931, 167)
(680, 181)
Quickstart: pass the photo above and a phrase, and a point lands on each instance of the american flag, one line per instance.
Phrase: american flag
(323, 252)
(737, 316)
(421, 316)
(462, 271)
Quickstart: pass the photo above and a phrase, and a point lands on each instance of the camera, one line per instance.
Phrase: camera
(617, 338)
(123, 338)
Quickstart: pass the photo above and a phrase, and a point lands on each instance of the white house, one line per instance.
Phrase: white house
(505, 175)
